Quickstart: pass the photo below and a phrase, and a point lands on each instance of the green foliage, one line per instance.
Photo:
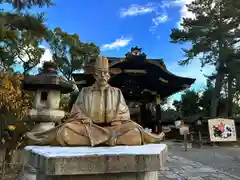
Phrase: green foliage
(19, 20)
(177, 105)
(188, 105)
(69, 52)
(205, 101)
(27, 4)
(64, 102)
(193, 103)
(25, 49)
(213, 33)
(212, 29)
(236, 109)
(12, 22)
(11, 101)
(20, 35)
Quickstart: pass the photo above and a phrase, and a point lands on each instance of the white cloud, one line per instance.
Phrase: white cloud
(160, 19)
(47, 56)
(184, 13)
(136, 9)
(165, 5)
(160, 11)
(156, 21)
(118, 43)
(157, 9)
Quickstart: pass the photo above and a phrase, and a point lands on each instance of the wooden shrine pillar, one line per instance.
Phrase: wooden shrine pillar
(158, 126)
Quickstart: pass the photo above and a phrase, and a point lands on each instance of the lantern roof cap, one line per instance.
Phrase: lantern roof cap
(47, 79)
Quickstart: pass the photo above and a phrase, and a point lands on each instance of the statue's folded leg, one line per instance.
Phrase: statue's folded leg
(138, 136)
(130, 133)
(75, 133)
(152, 138)
(132, 137)
(125, 134)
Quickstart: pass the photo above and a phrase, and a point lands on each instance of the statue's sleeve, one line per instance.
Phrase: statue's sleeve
(123, 112)
(78, 109)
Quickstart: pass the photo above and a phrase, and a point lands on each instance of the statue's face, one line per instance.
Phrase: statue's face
(102, 77)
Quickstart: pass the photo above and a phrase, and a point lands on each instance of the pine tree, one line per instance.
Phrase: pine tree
(211, 32)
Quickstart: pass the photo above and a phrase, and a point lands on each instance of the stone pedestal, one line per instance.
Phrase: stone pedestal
(96, 163)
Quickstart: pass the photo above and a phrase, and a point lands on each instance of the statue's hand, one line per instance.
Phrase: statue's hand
(87, 121)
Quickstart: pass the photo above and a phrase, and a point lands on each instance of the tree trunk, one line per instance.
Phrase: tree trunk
(216, 94)
(230, 96)
(220, 73)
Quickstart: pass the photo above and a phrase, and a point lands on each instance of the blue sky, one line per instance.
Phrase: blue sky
(118, 25)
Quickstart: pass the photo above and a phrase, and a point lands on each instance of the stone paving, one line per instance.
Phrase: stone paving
(180, 168)
(225, 159)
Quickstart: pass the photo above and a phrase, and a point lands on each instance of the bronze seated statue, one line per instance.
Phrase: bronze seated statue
(99, 116)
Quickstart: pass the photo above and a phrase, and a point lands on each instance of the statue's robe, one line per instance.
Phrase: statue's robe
(110, 117)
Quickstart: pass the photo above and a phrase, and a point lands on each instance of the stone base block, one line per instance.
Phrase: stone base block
(46, 115)
(112, 176)
(96, 163)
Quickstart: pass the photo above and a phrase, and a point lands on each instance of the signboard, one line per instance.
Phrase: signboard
(184, 130)
(222, 130)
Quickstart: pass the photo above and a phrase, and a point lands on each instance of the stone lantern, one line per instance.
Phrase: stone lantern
(48, 87)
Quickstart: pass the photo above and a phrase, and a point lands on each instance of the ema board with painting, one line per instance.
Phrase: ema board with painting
(222, 130)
